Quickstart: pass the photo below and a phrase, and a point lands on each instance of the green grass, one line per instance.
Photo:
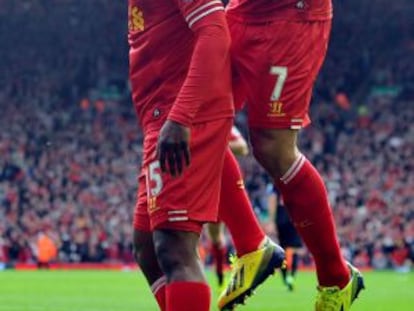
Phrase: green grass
(127, 291)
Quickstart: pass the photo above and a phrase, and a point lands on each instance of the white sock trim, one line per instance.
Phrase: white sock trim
(294, 169)
(156, 286)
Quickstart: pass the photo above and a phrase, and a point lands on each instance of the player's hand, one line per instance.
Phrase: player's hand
(173, 150)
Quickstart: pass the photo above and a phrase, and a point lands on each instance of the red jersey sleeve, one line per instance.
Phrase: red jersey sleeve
(196, 11)
(210, 57)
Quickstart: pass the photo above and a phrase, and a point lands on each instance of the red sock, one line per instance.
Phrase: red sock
(306, 198)
(218, 252)
(235, 209)
(188, 296)
(158, 289)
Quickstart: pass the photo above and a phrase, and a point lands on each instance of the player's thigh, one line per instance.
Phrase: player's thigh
(184, 203)
(279, 63)
(177, 253)
(145, 256)
(144, 251)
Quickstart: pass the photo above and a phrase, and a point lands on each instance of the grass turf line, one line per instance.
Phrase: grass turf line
(127, 291)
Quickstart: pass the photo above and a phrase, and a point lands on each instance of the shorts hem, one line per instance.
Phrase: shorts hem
(283, 124)
(188, 226)
(141, 225)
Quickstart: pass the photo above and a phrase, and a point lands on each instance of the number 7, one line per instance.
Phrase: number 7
(282, 73)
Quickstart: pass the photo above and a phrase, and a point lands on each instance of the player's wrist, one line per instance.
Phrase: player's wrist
(179, 119)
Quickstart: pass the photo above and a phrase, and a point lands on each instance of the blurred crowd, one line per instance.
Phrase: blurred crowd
(70, 145)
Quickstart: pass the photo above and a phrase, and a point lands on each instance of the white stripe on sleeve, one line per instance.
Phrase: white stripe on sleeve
(203, 11)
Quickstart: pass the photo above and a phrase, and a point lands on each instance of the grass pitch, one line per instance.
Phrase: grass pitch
(127, 291)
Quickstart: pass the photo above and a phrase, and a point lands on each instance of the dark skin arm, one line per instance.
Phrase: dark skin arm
(173, 150)
(208, 62)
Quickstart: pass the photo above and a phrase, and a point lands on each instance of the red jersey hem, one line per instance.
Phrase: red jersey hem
(264, 19)
(156, 126)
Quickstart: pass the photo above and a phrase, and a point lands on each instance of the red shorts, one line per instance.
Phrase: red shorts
(186, 202)
(275, 67)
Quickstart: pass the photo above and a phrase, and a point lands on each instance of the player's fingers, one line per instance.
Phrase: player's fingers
(171, 161)
(186, 153)
(178, 160)
(162, 155)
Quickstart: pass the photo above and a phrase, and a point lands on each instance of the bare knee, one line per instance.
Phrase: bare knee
(144, 254)
(142, 245)
(177, 255)
(275, 150)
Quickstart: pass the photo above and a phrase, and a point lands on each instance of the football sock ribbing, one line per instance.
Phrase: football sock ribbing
(158, 289)
(306, 198)
(188, 296)
(236, 211)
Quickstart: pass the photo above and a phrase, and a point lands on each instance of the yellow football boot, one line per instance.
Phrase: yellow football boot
(335, 299)
(248, 272)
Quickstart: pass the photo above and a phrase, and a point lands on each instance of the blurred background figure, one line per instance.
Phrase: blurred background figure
(289, 239)
(46, 250)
